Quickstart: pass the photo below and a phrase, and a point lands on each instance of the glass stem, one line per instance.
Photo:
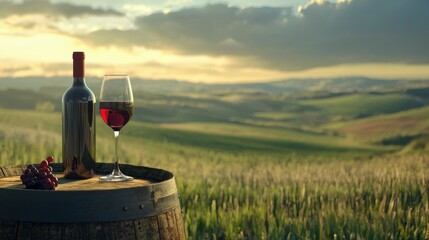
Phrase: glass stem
(116, 170)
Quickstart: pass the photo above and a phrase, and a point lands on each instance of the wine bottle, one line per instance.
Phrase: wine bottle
(78, 120)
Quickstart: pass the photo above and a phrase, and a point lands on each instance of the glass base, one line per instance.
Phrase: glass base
(118, 177)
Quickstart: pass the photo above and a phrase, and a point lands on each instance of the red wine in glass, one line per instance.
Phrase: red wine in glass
(116, 109)
(116, 114)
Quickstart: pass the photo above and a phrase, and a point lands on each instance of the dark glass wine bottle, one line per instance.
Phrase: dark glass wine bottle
(78, 124)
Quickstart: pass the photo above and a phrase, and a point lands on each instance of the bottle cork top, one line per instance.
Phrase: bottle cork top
(78, 64)
(78, 55)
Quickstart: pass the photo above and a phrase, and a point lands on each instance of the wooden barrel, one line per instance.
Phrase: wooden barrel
(145, 208)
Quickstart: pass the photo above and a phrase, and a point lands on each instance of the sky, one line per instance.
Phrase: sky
(217, 41)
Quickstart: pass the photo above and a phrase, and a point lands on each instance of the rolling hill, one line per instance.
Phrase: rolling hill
(280, 117)
(327, 85)
(398, 128)
(361, 105)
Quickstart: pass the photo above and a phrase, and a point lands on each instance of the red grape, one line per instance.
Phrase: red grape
(32, 184)
(46, 186)
(40, 177)
(43, 175)
(50, 159)
(44, 163)
(45, 170)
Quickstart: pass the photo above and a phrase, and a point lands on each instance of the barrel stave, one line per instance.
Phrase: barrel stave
(8, 229)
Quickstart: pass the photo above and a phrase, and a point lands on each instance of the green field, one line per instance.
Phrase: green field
(362, 105)
(263, 166)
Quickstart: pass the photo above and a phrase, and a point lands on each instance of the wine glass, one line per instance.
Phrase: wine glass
(116, 109)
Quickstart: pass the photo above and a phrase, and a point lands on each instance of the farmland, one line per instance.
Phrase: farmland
(261, 164)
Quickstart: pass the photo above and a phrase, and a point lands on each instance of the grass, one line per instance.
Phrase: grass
(27, 136)
(411, 122)
(275, 115)
(285, 139)
(362, 104)
(385, 198)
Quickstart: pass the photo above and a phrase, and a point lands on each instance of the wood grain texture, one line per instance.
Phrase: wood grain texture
(65, 184)
(179, 223)
(15, 170)
(147, 228)
(164, 226)
(8, 230)
(161, 227)
(24, 231)
(167, 226)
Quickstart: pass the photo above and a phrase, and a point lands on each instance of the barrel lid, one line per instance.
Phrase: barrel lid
(86, 205)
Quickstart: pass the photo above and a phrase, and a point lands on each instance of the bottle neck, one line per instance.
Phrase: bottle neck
(78, 68)
(79, 81)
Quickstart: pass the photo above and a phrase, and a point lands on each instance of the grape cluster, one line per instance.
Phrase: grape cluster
(40, 176)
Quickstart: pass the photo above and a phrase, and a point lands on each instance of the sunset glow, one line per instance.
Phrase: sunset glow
(228, 43)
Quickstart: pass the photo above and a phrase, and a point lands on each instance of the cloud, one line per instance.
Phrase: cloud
(213, 29)
(323, 33)
(14, 69)
(53, 10)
